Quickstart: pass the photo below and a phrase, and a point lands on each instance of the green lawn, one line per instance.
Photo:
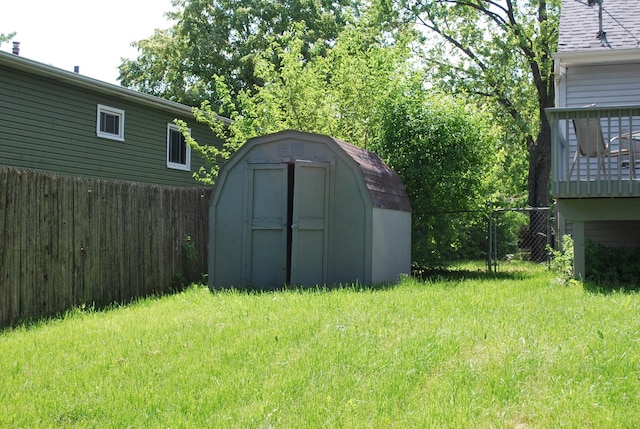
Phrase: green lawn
(510, 351)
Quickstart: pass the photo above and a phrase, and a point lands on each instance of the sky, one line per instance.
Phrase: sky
(93, 35)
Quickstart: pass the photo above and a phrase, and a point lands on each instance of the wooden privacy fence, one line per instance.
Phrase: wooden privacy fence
(68, 241)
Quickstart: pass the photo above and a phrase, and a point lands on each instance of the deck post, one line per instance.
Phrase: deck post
(578, 250)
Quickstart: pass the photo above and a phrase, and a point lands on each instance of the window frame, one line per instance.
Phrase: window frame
(114, 112)
(175, 165)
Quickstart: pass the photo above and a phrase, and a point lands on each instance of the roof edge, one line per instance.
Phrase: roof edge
(593, 56)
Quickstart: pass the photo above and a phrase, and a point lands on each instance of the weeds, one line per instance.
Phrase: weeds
(562, 262)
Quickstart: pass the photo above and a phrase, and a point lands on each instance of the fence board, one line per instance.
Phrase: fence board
(23, 260)
(4, 247)
(67, 241)
(8, 253)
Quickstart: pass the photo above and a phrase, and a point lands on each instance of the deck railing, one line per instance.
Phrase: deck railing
(595, 151)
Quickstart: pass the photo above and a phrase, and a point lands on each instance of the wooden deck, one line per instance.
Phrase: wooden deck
(613, 170)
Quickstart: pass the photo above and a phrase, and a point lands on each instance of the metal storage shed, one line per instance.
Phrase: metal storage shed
(307, 209)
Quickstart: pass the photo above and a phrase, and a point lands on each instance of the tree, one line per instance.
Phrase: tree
(224, 38)
(499, 52)
(6, 37)
(338, 94)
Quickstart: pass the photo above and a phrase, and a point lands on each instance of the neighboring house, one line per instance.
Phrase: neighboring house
(597, 70)
(60, 121)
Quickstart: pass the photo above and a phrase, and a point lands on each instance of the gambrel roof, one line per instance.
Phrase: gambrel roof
(383, 184)
(580, 25)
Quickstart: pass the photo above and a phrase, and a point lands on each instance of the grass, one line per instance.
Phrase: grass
(506, 351)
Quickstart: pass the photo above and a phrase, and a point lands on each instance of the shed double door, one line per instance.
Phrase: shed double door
(288, 224)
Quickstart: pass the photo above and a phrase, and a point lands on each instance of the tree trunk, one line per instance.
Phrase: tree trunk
(539, 190)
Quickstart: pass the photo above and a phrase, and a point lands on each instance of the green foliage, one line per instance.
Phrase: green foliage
(223, 38)
(214, 156)
(322, 95)
(6, 37)
(509, 225)
(366, 90)
(612, 267)
(189, 261)
(441, 149)
(189, 249)
(506, 180)
(327, 67)
(562, 261)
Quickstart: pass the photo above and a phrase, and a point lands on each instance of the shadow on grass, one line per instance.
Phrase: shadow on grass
(456, 274)
(35, 322)
(460, 274)
(307, 289)
(605, 288)
(464, 274)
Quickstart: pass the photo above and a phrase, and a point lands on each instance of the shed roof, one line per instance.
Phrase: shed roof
(384, 185)
(579, 25)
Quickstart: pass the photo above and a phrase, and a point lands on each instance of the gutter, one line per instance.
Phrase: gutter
(597, 56)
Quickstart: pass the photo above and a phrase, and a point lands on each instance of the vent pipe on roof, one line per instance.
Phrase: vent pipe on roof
(601, 32)
(16, 48)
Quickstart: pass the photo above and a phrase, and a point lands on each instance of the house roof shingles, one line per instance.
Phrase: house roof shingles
(579, 25)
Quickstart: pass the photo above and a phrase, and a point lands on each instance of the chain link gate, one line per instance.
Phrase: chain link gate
(519, 233)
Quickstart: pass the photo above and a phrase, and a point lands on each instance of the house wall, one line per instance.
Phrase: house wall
(603, 84)
(609, 84)
(614, 234)
(608, 221)
(51, 125)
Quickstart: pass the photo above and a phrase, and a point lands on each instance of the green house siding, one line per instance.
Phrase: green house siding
(50, 124)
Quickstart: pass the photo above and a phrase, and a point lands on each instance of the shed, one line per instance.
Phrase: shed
(307, 209)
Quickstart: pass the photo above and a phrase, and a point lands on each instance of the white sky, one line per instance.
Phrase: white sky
(93, 35)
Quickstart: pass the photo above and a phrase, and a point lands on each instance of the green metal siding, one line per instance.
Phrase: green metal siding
(50, 125)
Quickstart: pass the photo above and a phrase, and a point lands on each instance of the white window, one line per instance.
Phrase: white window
(178, 153)
(110, 123)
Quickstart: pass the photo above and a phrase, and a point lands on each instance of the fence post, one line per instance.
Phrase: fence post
(489, 236)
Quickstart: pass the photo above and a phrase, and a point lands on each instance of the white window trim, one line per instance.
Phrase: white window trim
(111, 111)
(175, 165)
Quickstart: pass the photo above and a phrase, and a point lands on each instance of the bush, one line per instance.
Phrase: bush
(612, 266)
(440, 148)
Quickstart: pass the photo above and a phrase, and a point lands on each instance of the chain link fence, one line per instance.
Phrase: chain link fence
(519, 234)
